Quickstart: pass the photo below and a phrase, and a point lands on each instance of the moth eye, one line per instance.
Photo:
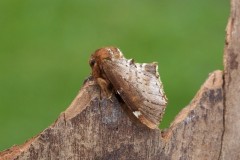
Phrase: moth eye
(92, 62)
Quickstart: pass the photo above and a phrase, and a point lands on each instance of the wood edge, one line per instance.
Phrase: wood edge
(214, 81)
(70, 112)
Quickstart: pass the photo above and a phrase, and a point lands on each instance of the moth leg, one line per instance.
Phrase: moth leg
(104, 85)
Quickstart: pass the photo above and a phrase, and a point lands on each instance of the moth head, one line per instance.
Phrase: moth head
(96, 58)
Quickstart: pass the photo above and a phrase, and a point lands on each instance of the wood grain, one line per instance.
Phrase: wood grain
(231, 138)
(95, 128)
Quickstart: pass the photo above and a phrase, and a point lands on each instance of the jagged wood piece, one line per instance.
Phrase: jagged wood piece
(196, 133)
(92, 128)
(231, 138)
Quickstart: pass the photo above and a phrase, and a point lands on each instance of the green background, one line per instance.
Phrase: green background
(45, 46)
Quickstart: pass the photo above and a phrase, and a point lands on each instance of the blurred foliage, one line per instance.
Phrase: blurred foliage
(45, 46)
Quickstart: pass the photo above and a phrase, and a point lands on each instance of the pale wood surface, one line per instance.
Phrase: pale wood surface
(231, 138)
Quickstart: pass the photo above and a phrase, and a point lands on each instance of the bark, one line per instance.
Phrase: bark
(231, 138)
(95, 128)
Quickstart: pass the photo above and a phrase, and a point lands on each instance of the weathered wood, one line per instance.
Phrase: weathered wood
(196, 132)
(231, 138)
(95, 128)
(92, 128)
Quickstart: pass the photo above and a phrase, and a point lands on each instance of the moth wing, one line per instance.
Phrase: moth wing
(140, 88)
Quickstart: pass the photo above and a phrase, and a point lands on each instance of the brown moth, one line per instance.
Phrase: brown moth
(137, 84)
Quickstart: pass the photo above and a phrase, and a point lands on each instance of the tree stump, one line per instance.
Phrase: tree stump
(95, 128)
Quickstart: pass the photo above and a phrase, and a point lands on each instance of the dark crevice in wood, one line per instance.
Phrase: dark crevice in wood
(224, 112)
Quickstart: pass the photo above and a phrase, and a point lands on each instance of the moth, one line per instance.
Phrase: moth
(138, 85)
